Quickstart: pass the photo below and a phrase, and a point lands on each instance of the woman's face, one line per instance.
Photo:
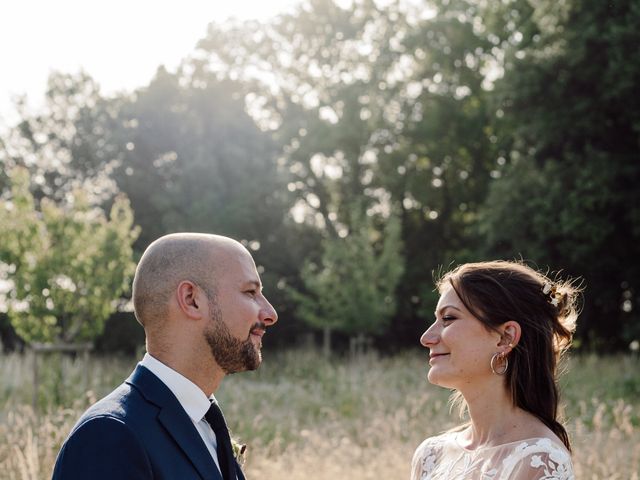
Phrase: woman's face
(460, 346)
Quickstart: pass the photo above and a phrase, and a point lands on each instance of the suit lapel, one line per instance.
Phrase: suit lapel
(239, 472)
(176, 421)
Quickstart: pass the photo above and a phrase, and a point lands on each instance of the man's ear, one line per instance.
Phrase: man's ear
(510, 335)
(190, 299)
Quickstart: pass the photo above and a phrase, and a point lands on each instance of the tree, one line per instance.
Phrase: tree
(568, 195)
(353, 288)
(375, 104)
(436, 154)
(316, 80)
(66, 145)
(192, 159)
(182, 149)
(67, 263)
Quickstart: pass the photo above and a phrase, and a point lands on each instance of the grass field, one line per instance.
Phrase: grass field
(304, 417)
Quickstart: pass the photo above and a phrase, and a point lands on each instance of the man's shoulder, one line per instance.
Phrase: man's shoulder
(106, 442)
(117, 402)
(121, 404)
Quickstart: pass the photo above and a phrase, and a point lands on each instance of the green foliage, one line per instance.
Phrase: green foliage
(568, 195)
(192, 159)
(68, 263)
(66, 145)
(497, 129)
(353, 288)
(374, 102)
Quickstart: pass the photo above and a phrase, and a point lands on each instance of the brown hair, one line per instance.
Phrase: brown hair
(546, 310)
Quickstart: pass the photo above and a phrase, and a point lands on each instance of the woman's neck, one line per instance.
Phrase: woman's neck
(494, 418)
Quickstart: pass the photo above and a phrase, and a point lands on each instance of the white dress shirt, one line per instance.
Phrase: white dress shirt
(192, 399)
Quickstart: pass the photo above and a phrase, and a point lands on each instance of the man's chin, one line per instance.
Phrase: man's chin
(256, 360)
(247, 367)
(253, 358)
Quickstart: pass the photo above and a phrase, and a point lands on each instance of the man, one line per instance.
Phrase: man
(199, 299)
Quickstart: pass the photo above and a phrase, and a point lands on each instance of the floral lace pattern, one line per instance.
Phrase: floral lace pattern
(442, 458)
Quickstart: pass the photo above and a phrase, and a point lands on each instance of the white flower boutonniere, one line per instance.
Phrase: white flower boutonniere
(239, 450)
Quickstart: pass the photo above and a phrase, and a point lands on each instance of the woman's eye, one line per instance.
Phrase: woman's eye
(445, 319)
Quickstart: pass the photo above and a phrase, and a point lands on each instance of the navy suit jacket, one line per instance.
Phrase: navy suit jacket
(139, 431)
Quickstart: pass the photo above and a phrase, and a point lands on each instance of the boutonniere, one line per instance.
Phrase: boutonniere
(239, 450)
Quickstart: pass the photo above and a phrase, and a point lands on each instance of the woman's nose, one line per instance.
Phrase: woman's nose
(430, 336)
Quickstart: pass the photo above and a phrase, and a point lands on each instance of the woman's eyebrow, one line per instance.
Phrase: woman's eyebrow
(444, 308)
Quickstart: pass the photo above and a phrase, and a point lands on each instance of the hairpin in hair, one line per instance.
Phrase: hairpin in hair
(550, 290)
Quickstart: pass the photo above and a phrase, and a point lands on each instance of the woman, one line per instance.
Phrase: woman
(499, 332)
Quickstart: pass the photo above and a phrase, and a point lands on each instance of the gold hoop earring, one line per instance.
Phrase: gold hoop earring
(498, 355)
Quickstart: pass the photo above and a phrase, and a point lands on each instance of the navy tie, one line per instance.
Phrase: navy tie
(225, 453)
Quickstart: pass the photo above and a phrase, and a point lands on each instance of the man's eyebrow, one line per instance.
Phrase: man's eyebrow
(254, 283)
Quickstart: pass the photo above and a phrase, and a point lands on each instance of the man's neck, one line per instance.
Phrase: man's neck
(203, 372)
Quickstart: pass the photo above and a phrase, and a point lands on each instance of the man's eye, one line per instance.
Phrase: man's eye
(252, 292)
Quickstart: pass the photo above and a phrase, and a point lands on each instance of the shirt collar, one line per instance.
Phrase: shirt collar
(190, 396)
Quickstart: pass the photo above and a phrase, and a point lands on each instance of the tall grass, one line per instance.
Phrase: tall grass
(304, 417)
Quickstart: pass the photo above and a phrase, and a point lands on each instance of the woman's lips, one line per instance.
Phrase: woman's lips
(435, 356)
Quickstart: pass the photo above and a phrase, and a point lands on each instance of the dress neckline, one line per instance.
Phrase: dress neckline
(502, 445)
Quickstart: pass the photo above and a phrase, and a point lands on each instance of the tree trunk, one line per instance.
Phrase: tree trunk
(359, 345)
(326, 341)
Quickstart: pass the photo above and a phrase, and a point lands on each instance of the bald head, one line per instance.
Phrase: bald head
(171, 259)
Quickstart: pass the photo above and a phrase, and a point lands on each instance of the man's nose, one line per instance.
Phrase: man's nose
(268, 314)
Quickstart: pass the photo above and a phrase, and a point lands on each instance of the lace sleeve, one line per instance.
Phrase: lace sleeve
(415, 465)
(424, 459)
(540, 461)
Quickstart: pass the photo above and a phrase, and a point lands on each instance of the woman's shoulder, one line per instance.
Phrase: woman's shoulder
(427, 455)
(437, 440)
(433, 446)
(545, 445)
(525, 458)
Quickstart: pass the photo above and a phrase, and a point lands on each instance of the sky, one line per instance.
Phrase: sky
(120, 43)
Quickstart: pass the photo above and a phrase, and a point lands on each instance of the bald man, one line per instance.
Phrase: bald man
(199, 299)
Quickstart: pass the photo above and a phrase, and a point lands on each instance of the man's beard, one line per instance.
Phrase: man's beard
(231, 354)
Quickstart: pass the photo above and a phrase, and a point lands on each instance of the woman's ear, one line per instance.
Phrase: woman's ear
(510, 335)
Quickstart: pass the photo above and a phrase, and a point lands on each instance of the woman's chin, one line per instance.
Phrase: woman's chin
(437, 378)
(433, 377)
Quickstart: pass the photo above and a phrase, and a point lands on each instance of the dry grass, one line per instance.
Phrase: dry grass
(307, 418)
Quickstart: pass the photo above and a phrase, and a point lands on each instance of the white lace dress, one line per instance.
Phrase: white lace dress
(442, 458)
